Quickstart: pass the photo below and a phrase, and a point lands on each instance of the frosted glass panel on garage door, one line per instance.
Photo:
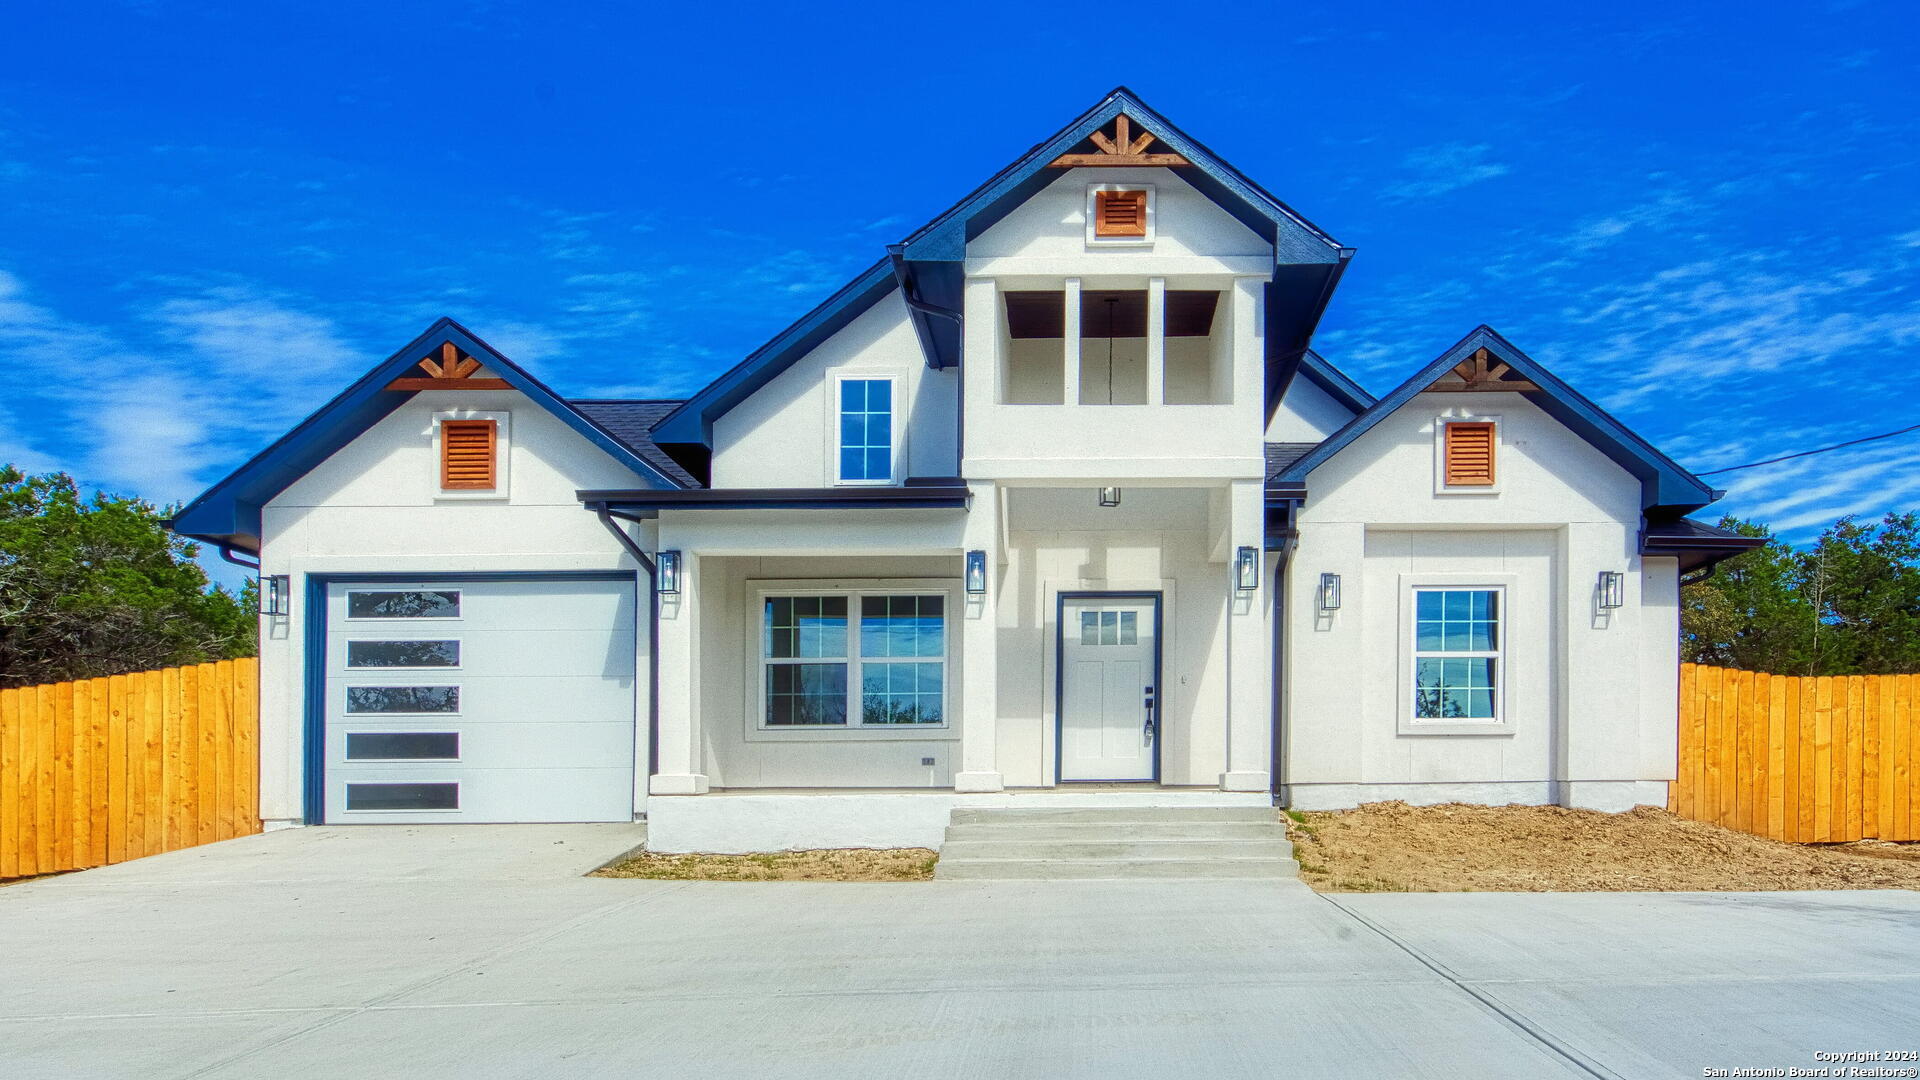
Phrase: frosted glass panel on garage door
(540, 697)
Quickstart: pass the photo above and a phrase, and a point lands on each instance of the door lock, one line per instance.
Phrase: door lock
(1148, 729)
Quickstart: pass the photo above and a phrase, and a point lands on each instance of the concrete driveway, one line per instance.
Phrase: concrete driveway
(479, 951)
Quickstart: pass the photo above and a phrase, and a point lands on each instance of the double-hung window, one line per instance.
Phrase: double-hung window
(866, 431)
(1457, 655)
(853, 660)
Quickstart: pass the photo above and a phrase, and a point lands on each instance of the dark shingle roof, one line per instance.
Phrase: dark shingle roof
(1282, 454)
(632, 422)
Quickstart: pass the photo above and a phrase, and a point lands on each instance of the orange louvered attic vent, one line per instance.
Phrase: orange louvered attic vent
(1120, 213)
(467, 450)
(1469, 453)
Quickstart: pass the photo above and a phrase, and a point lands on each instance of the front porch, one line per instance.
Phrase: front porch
(740, 820)
(831, 679)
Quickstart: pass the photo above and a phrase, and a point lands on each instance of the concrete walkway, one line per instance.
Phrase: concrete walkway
(478, 951)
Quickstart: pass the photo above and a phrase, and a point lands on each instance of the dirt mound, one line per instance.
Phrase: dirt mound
(1457, 847)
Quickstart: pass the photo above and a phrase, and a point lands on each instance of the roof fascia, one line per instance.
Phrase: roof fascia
(1664, 484)
(1295, 239)
(693, 421)
(229, 511)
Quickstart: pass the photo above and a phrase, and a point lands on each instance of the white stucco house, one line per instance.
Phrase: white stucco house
(1054, 503)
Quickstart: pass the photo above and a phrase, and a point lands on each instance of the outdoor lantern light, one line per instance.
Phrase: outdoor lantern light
(1612, 588)
(1246, 568)
(1329, 592)
(273, 595)
(666, 580)
(1110, 496)
(976, 573)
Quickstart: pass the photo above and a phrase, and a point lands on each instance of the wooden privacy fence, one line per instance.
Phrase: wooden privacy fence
(104, 770)
(1811, 760)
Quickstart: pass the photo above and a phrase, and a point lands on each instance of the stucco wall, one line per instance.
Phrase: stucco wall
(375, 507)
(1306, 414)
(785, 435)
(1589, 693)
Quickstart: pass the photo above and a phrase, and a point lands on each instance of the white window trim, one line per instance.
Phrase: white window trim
(754, 670)
(1462, 416)
(502, 454)
(1506, 585)
(412, 718)
(410, 729)
(346, 604)
(1118, 241)
(346, 649)
(896, 429)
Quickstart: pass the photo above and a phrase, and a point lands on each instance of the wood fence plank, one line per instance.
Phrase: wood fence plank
(117, 769)
(153, 785)
(99, 773)
(1822, 759)
(212, 720)
(1680, 797)
(1906, 784)
(46, 792)
(9, 785)
(1730, 698)
(1869, 777)
(246, 744)
(133, 691)
(1885, 760)
(1742, 710)
(177, 790)
(1790, 767)
(72, 777)
(1809, 724)
(1776, 776)
(1711, 679)
(1856, 753)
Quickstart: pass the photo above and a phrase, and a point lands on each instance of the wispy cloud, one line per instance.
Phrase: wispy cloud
(1436, 170)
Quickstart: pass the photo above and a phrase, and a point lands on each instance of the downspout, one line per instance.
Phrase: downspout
(653, 630)
(226, 552)
(1287, 544)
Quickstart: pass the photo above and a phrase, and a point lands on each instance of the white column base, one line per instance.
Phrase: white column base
(978, 781)
(677, 784)
(1245, 781)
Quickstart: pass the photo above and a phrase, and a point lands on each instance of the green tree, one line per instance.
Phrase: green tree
(98, 586)
(1849, 604)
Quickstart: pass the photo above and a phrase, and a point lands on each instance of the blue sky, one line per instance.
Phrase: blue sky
(1707, 217)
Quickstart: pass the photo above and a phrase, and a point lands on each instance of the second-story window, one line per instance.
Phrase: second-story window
(866, 431)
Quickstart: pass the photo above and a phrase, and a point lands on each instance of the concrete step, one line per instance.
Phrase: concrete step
(1110, 814)
(1264, 868)
(1109, 850)
(1117, 830)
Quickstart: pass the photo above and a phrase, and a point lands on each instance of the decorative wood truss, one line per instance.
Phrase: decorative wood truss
(1481, 372)
(1120, 149)
(451, 372)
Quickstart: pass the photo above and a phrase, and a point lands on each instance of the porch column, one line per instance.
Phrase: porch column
(1070, 343)
(979, 652)
(1249, 650)
(682, 770)
(1156, 340)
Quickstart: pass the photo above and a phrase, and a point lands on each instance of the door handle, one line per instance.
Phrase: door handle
(1147, 730)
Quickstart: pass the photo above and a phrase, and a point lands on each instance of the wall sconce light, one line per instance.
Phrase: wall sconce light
(274, 598)
(666, 573)
(1246, 568)
(1110, 496)
(1612, 588)
(976, 573)
(1329, 592)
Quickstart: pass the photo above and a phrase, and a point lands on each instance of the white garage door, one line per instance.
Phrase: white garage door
(473, 701)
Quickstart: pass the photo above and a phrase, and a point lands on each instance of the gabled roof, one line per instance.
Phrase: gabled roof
(1282, 454)
(926, 266)
(228, 513)
(692, 421)
(1695, 544)
(632, 423)
(1295, 239)
(1664, 485)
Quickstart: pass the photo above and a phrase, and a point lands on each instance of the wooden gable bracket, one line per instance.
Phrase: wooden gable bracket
(1481, 372)
(451, 372)
(1123, 148)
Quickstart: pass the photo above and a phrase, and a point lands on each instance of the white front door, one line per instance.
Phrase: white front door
(1109, 677)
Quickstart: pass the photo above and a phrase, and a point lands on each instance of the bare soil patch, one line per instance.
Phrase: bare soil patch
(1393, 847)
(846, 864)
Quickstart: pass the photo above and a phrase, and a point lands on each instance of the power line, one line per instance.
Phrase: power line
(1810, 453)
